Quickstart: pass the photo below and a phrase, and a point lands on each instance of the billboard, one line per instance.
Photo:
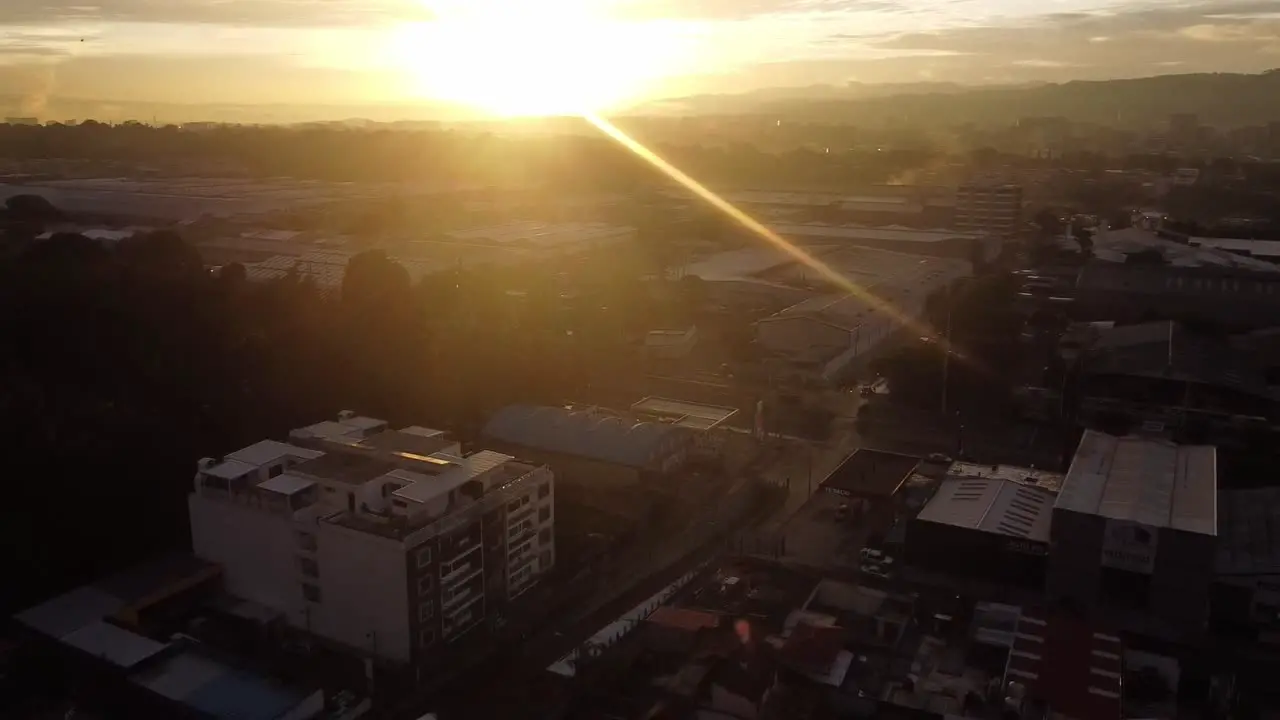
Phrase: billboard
(1129, 546)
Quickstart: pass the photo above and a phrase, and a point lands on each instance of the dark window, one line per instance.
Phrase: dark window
(400, 503)
(310, 567)
(425, 611)
(544, 514)
(424, 557)
(544, 536)
(426, 637)
(275, 471)
(311, 593)
(544, 490)
(424, 585)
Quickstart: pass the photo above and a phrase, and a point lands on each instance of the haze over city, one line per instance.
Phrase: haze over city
(515, 58)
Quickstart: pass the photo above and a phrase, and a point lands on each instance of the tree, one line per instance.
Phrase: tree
(1049, 222)
(31, 208)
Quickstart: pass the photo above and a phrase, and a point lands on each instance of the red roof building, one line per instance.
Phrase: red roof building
(1067, 664)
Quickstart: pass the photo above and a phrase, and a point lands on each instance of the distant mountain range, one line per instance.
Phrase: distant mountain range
(1218, 99)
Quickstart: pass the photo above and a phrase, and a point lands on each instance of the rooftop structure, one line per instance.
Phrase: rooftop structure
(876, 234)
(101, 623)
(870, 474)
(597, 435)
(1262, 249)
(1067, 664)
(682, 413)
(358, 531)
(993, 504)
(1249, 533)
(1115, 246)
(535, 234)
(1151, 482)
(1168, 349)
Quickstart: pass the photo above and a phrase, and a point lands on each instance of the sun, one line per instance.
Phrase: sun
(525, 58)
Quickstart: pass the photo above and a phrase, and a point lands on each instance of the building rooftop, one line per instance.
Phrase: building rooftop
(874, 234)
(347, 468)
(458, 471)
(595, 435)
(695, 416)
(1147, 481)
(1004, 507)
(1068, 664)
(1249, 532)
(1169, 349)
(543, 234)
(1051, 481)
(1115, 246)
(268, 451)
(870, 473)
(1239, 246)
(286, 484)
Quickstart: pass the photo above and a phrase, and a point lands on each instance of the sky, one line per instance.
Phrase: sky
(518, 54)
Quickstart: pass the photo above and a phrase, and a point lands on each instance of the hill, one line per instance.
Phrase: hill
(1218, 98)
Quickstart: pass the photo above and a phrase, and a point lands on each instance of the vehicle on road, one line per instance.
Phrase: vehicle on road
(939, 458)
(876, 570)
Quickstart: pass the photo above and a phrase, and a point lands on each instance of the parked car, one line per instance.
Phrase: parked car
(875, 570)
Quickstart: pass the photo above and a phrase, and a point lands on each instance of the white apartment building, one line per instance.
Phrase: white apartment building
(390, 543)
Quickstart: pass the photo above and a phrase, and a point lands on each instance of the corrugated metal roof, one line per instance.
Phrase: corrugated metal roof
(1151, 482)
(597, 436)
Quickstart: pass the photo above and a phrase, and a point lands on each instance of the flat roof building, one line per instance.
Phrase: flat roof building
(1135, 529)
(387, 543)
(989, 523)
(111, 641)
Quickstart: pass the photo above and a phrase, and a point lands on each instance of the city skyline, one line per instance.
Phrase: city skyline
(573, 54)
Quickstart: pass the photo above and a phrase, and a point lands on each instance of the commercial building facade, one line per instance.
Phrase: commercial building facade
(387, 543)
(989, 208)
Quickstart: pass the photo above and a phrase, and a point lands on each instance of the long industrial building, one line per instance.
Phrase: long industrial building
(825, 335)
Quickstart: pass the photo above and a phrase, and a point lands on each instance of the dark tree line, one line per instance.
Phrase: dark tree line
(122, 365)
(579, 160)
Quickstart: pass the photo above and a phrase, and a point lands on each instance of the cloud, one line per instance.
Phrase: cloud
(272, 13)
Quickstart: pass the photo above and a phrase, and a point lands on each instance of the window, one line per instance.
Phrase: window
(399, 503)
(329, 489)
(424, 585)
(425, 611)
(426, 637)
(275, 471)
(544, 514)
(424, 556)
(311, 592)
(544, 536)
(544, 560)
(544, 490)
(310, 568)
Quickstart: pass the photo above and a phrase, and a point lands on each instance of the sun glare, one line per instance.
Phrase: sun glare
(521, 58)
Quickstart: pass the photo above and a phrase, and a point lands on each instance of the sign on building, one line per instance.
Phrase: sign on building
(1129, 546)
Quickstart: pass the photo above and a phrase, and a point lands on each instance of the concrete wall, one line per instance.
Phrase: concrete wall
(1184, 570)
(797, 334)
(1075, 558)
(364, 599)
(258, 552)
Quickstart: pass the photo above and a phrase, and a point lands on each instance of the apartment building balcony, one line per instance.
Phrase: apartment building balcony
(460, 573)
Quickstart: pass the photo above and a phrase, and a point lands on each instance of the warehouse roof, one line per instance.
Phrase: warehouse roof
(1146, 481)
(993, 505)
(1249, 532)
(870, 473)
(595, 435)
(1168, 349)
